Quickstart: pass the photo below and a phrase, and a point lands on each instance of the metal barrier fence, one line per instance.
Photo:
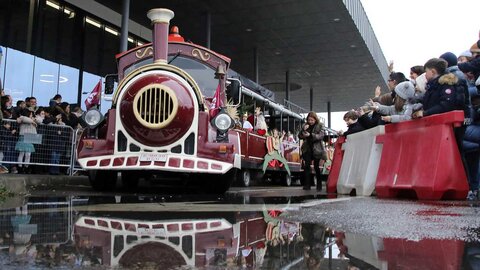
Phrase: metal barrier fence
(51, 150)
(36, 222)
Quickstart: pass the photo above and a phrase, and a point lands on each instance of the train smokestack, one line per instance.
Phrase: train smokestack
(160, 18)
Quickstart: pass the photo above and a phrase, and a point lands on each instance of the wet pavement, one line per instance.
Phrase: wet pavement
(67, 227)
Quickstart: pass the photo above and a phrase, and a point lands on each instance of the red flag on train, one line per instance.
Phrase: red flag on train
(217, 102)
(94, 96)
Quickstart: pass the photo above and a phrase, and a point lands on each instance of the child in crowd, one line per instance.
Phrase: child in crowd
(27, 125)
(402, 108)
(441, 95)
(7, 135)
(57, 136)
(351, 119)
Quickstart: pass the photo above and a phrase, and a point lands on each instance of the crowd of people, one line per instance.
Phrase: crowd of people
(441, 85)
(27, 129)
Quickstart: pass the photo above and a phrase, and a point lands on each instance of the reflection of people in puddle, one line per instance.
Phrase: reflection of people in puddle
(22, 245)
(220, 257)
(314, 250)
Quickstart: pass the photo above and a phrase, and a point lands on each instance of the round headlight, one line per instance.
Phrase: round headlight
(93, 118)
(223, 122)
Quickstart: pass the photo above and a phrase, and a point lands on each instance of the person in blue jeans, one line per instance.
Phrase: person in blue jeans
(472, 133)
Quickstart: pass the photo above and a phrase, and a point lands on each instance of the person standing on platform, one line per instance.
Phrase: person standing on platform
(27, 125)
(312, 149)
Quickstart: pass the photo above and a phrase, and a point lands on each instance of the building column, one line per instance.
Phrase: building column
(209, 29)
(31, 19)
(287, 85)
(329, 114)
(311, 98)
(124, 30)
(255, 64)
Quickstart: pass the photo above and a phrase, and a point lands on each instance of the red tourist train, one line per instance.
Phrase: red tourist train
(170, 114)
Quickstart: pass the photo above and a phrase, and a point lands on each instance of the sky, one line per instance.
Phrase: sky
(412, 31)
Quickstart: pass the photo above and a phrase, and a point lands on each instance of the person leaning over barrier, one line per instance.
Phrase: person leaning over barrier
(441, 95)
(403, 105)
(312, 149)
(351, 119)
(373, 118)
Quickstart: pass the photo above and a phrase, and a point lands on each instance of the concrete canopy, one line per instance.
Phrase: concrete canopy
(326, 45)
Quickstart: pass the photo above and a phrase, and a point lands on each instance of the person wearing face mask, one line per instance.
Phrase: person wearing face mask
(312, 149)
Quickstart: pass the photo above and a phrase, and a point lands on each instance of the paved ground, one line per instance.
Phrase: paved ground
(371, 233)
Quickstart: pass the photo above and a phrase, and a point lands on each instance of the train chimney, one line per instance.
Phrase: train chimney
(160, 18)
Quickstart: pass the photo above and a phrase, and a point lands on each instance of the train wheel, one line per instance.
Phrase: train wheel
(130, 179)
(245, 177)
(219, 183)
(287, 179)
(102, 180)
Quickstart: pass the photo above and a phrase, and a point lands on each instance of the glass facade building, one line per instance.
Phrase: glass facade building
(49, 47)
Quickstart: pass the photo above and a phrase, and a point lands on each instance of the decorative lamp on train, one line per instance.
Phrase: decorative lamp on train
(220, 118)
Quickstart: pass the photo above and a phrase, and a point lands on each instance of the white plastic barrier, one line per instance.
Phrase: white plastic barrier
(360, 162)
(365, 248)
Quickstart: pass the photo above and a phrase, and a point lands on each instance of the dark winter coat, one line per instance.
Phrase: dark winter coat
(354, 128)
(443, 95)
(313, 145)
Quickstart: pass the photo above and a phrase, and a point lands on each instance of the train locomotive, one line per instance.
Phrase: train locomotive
(168, 115)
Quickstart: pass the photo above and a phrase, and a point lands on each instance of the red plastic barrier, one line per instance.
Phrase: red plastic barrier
(422, 156)
(336, 165)
(424, 254)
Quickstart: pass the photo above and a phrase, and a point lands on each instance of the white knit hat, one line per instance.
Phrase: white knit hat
(405, 90)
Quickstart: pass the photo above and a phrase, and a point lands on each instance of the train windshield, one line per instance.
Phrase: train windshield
(204, 75)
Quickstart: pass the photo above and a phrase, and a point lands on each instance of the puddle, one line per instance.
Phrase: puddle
(144, 232)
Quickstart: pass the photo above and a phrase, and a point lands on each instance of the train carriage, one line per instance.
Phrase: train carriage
(169, 114)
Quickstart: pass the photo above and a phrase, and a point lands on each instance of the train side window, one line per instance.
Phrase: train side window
(233, 91)
(110, 80)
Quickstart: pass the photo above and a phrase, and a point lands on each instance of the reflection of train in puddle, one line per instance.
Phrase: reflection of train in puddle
(36, 233)
(232, 239)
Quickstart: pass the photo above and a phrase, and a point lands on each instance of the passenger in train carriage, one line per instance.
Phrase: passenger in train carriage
(245, 123)
(403, 104)
(260, 124)
(351, 119)
(312, 149)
